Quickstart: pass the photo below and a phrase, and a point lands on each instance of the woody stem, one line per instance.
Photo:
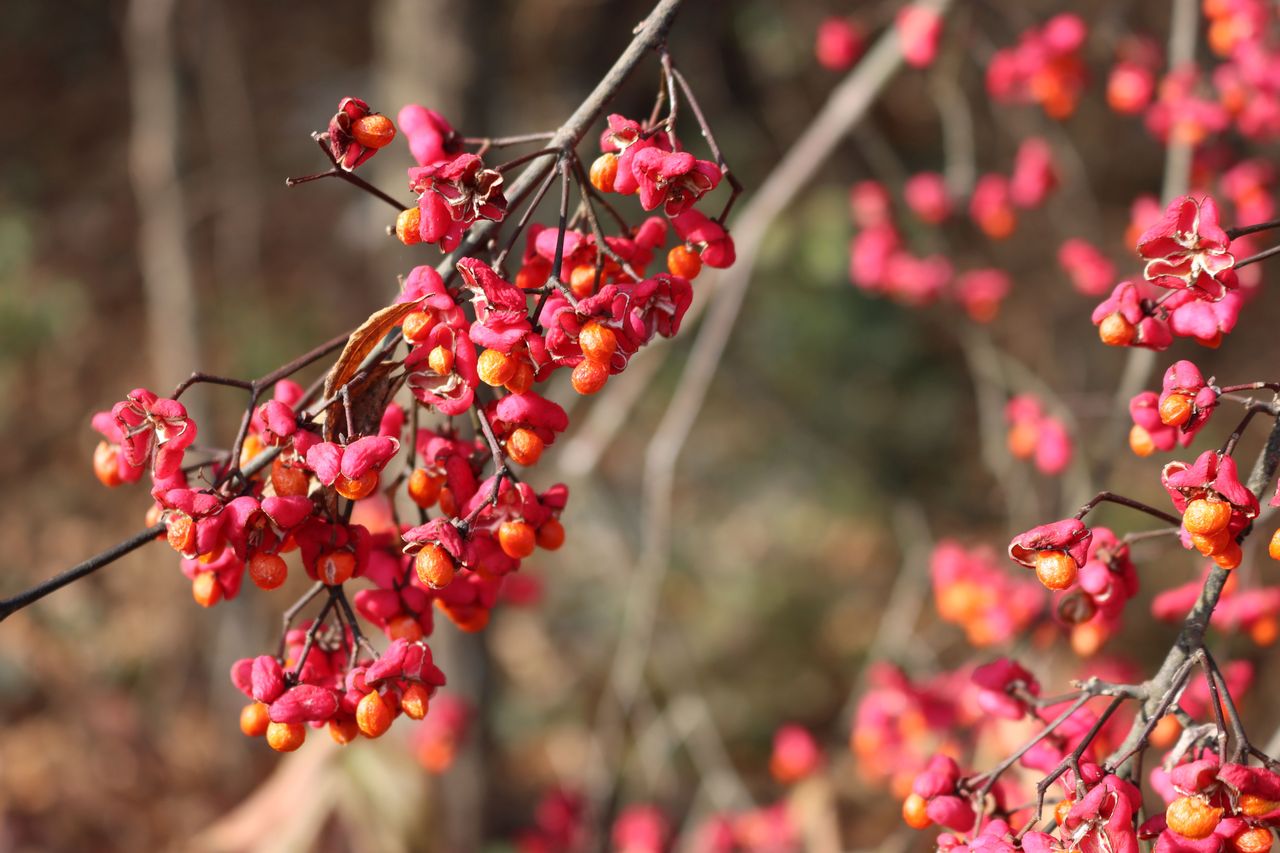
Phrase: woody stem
(1261, 256)
(1240, 231)
(1112, 497)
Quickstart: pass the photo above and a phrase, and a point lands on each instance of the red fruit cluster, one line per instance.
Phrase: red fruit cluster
(881, 262)
(313, 478)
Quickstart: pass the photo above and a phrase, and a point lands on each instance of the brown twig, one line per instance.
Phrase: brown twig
(1191, 637)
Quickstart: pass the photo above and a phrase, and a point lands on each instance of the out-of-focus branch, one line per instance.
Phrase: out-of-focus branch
(1177, 177)
(234, 164)
(1182, 51)
(960, 159)
(167, 278)
(847, 105)
(843, 110)
(896, 636)
(991, 393)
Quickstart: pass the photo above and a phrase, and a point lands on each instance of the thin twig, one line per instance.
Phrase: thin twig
(1233, 233)
(1191, 637)
(80, 570)
(343, 174)
(293, 611)
(734, 184)
(1260, 256)
(524, 218)
(1112, 497)
(844, 109)
(1177, 175)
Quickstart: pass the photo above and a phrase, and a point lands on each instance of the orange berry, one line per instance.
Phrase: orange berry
(1175, 410)
(268, 571)
(1116, 331)
(1223, 36)
(414, 701)
(604, 171)
(1216, 8)
(289, 481)
(582, 281)
(361, 487)
(404, 627)
(1273, 547)
(1056, 569)
(343, 731)
(1061, 107)
(441, 360)
(473, 621)
(424, 487)
(1192, 817)
(589, 376)
(1252, 805)
(373, 131)
(1140, 441)
(982, 310)
(999, 224)
(957, 602)
(252, 447)
(417, 326)
(598, 342)
(522, 379)
(254, 719)
(1023, 438)
(436, 754)
(533, 274)
(517, 539)
(205, 589)
(610, 270)
(335, 567)
(181, 533)
(1061, 810)
(524, 447)
(1256, 839)
(373, 716)
(1125, 94)
(1230, 557)
(286, 737)
(1214, 543)
(409, 225)
(1206, 517)
(106, 465)
(551, 535)
(684, 262)
(435, 566)
(1166, 732)
(448, 503)
(1265, 631)
(1088, 639)
(213, 553)
(495, 368)
(914, 812)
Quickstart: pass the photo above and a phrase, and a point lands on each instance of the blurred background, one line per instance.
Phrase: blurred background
(145, 230)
